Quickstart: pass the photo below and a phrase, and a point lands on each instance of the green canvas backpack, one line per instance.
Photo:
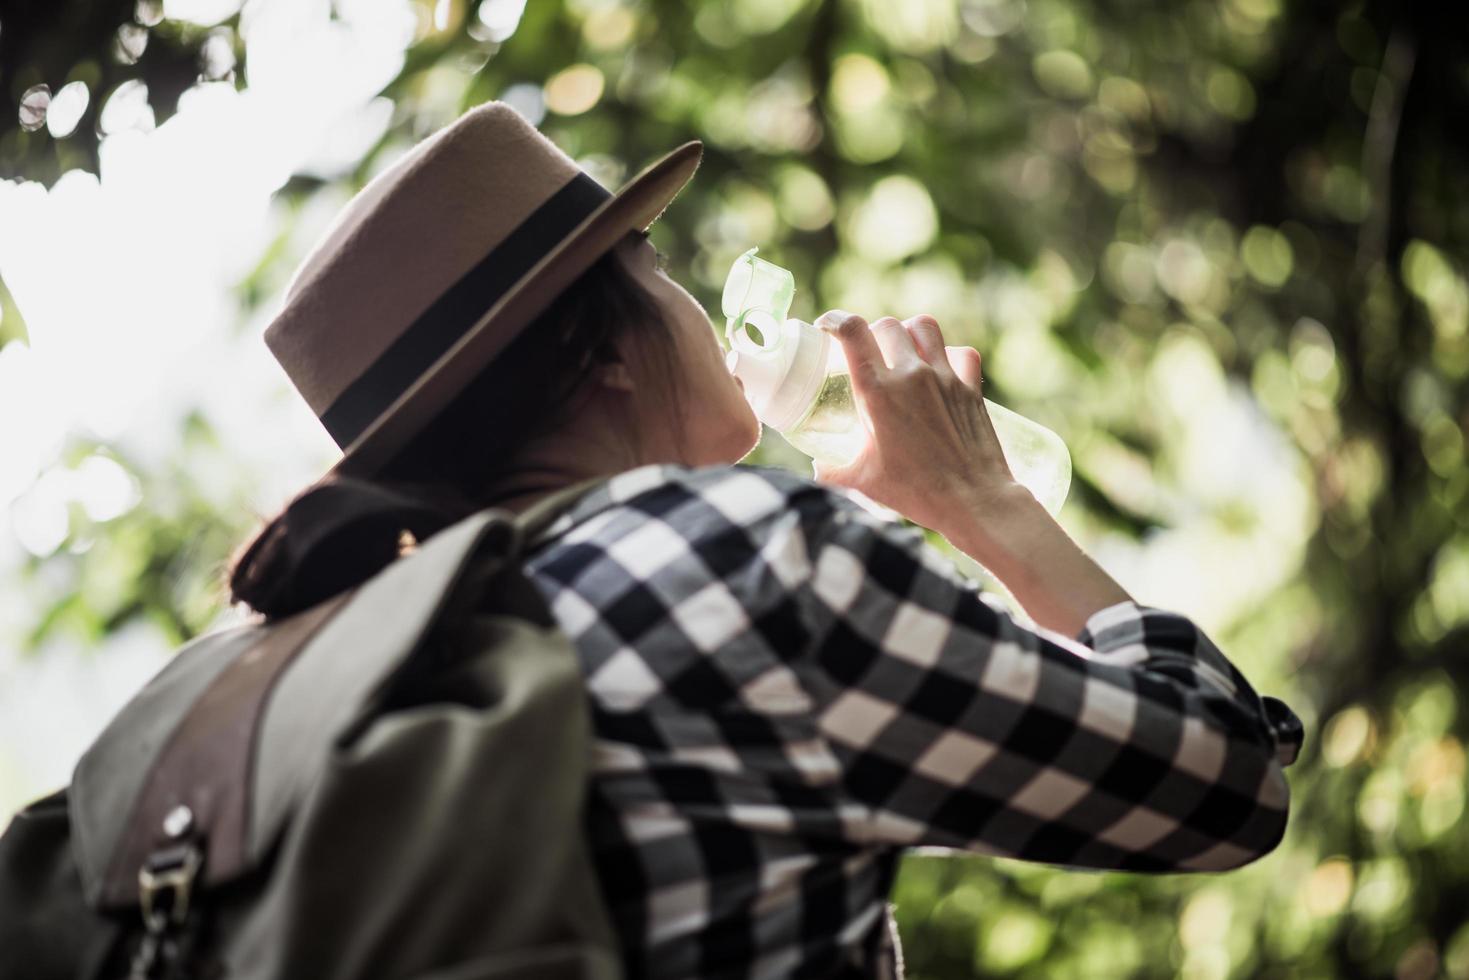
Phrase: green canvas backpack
(389, 784)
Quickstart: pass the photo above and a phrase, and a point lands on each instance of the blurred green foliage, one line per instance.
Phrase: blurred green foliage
(1180, 232)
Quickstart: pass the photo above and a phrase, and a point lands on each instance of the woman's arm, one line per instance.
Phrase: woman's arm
(1014, 537)
(1136, 745)
(1063, 590)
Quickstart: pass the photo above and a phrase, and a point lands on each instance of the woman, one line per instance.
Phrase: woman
(785, 690)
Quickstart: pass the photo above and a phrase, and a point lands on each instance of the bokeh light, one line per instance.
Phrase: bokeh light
(896, 219)
(574, 90)
(500, 18)
(66, 109)
(33, 105)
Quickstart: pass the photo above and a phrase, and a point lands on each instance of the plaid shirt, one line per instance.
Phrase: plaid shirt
(786, 691)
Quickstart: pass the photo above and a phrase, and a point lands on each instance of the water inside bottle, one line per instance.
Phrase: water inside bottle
(833, 433)
(831, 430)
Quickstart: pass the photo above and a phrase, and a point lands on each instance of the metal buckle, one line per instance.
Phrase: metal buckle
(170, 872)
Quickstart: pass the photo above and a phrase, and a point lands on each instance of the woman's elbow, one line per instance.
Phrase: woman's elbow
(1257, 834)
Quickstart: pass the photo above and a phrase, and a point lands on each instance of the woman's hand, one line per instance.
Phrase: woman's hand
(932, 454)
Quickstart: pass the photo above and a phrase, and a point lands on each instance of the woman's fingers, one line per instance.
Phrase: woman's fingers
(966, 364)
(929, 339)
(896, 343)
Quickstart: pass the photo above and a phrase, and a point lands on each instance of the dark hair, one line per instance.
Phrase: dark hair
(341, 531)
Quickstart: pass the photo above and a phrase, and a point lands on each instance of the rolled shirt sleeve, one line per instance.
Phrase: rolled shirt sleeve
(1135, 745)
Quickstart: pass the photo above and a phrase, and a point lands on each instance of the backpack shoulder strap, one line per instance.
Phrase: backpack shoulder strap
(200, 780)
(538, 519)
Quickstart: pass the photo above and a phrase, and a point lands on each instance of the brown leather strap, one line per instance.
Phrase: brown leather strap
(206, 763)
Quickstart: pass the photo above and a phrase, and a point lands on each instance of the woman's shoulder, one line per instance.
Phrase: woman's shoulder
(742, 493)
(699, 501)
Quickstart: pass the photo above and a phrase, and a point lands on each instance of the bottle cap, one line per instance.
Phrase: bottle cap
(781, 361)
(755, 284)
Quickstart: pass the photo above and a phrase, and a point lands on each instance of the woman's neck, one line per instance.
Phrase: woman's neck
(588, 446)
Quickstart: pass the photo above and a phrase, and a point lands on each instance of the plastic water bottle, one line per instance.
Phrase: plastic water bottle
(797, 381)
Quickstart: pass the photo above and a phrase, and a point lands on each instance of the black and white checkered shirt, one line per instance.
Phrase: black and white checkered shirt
(787, 690)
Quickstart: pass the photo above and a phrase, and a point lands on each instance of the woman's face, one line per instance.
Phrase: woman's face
(716, 424)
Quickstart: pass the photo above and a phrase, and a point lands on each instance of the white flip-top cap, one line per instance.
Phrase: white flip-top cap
(783, 374)
(780, 361)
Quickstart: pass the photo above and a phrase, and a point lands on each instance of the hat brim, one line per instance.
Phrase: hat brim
(633, 208)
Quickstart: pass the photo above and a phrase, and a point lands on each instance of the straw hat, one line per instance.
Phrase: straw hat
(438, 263)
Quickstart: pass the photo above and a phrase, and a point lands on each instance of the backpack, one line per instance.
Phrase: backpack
(388, 784)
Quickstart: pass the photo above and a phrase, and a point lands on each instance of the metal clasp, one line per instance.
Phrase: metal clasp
(166, 882)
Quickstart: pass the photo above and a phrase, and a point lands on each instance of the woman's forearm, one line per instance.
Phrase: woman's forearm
(1014, 537)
